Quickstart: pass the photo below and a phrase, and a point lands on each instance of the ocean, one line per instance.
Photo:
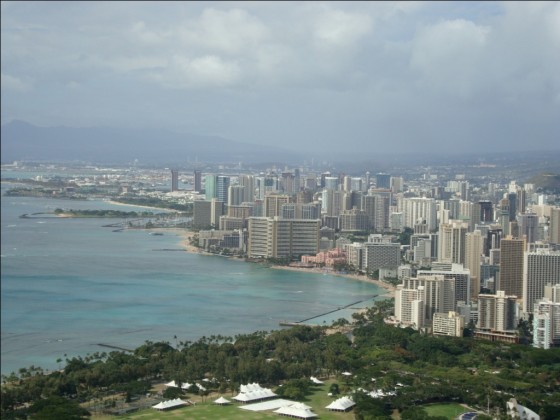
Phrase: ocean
(70, 284)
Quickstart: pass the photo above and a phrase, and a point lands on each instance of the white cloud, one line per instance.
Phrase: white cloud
(340, 29)
(15, 84)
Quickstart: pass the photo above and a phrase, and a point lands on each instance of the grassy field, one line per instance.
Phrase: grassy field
(210, 411)
(449, 411)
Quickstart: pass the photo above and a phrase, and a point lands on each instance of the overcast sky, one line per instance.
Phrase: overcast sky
(356, 77)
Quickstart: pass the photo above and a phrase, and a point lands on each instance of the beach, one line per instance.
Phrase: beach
(186, 236)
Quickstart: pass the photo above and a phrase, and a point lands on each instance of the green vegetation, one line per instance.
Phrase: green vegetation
(448, 411)
(102, 213)
(420, 369)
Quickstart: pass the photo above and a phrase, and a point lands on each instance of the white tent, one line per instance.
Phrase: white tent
(316, 381)
(171, 384)
(342, 404)
(346, 373)
(185, 385)
(165, 405)
(253, 392)
(298, 410)
(222, 401)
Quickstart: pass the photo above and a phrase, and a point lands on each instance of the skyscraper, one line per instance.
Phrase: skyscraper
(222, 185)
(541, 268)
(473, 253)
(511, 266)
(383, 181)
(528, 227)
(555, 225)
(174, 180)
(197, 180)
(452, 242)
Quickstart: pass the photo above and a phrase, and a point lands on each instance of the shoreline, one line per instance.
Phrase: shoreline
(162, 209)
(186, 235)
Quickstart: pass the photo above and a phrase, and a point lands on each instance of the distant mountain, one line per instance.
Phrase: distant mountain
(23, 141)
(547, 182)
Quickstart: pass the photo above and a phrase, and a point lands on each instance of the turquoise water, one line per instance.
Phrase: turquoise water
(69, 284)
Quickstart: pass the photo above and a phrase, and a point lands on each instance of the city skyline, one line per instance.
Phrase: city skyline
(355, 77)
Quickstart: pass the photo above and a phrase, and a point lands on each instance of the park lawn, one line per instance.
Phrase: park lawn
(450, 411)
(318, 400)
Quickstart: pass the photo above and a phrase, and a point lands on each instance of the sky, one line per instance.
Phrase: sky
(347, 77)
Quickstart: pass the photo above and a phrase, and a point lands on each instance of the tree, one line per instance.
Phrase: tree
(55, 408)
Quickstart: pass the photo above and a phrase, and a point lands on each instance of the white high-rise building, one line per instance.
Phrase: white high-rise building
(438, 293)
(546, 324)
(417, 210)
(541, 267)
(450, 323)
(409, 306)
(497, 312)
(452, 242)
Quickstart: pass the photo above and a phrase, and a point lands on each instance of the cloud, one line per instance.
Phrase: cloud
(15, 84)
(341, 72)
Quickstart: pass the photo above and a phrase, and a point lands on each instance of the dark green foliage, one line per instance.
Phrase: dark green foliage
(173, 392)
(56, 408)
(432, 369)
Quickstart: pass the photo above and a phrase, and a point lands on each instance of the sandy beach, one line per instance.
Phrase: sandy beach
(186, 235)
(361, 277)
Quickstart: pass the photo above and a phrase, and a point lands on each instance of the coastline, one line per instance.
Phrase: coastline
(161, 209)
(186, 235)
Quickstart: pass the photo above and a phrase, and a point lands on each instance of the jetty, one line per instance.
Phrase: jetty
(303, 321)
(115, 347)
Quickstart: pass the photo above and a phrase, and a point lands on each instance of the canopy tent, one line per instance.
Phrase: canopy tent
(346, 374)
(342, 404)
(166, 405)
(222, 401)
(316, 381)
(298, 410)
(253, 392)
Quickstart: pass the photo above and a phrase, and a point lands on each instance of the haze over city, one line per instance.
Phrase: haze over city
(341, 78)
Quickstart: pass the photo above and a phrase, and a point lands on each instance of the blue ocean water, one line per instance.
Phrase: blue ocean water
(68, 285)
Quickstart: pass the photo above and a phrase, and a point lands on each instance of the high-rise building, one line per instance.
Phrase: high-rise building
(197, 180)
(420, 210)
(202, 214)
(222, 185)
(438, 293)
(174, 180)
(381, 255)
(486, 211)
(512, 199)
(301, 211)
(554, 230)
(493, 238)
(546, 324)
(409, 306)
(511, 266)
(450, 323)
(528, 227)
(273, 204)
(248, 181)
(383, 181)
(541, 267)
(236, 195)
(473, 253)
(459, 274)
(210, 185)
(497, 317)
(354, 220)
(273, 237)
(452, 242)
